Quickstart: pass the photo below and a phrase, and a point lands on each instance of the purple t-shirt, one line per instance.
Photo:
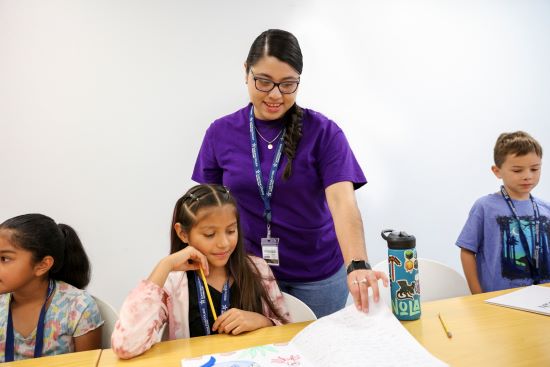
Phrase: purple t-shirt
(308, 248)
(491, 232)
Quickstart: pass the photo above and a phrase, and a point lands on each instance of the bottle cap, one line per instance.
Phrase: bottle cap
(399, 240)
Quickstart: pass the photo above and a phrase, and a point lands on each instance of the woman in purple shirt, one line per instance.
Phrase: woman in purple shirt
(294, 175)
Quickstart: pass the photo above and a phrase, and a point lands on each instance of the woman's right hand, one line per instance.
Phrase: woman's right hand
(187, 259)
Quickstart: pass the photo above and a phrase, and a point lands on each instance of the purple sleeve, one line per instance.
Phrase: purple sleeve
(471, 237)
(207, 169)
(337, 161)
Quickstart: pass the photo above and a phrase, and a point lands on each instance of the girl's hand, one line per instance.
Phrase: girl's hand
(187, 259)
(235, 321)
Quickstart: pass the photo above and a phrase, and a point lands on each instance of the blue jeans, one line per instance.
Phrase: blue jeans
(324, 296)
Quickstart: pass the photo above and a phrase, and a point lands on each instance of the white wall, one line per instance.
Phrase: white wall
(103, 105)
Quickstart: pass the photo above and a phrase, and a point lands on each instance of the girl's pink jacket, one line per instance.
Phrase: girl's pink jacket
(148, 307)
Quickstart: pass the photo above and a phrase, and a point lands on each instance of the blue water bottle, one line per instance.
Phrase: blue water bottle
(403, 274)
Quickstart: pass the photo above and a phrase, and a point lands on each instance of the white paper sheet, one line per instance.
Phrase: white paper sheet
(345, 338)
(533, 299)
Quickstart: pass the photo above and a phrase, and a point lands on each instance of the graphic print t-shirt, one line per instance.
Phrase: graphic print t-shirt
(493, 233)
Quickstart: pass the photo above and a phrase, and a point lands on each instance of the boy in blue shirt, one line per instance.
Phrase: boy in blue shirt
(505, 241)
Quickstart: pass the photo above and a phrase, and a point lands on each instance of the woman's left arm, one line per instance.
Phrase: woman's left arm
(349, 231)
(89, 341)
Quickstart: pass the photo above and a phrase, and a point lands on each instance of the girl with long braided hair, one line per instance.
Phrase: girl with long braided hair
(294, 175)
(242, 292)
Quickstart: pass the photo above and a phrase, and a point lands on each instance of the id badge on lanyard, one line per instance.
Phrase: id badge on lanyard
(270, 245)
(270, 249)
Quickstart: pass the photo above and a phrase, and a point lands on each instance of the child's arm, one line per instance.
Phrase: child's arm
(178, 261)
(89, 341)
(145, 309)
(86, 323)
(142, 315)
(468, 259)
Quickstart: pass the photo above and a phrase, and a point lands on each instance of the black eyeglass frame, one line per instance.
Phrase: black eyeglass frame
(297, 82)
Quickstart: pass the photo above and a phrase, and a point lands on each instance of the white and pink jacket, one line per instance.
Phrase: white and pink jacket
(148, 307)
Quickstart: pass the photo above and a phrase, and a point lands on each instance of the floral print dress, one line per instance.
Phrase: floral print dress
(71, 313)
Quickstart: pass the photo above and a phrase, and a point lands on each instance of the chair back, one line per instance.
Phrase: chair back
(109, 315)
(298, 310)
(437, 281)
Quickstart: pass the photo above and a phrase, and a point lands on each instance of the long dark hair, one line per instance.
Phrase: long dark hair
(250, 291)
(284, 46)
(40, 235)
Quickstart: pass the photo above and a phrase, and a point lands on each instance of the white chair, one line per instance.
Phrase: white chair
(163, 334)
(109, 315)
(298, 310)
(437, 281)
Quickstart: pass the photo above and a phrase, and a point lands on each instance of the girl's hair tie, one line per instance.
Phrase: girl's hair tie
(193, 197)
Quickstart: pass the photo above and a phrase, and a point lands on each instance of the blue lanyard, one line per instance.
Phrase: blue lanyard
(203, 308)
(39, 341)
(265, 195)
(532, 261)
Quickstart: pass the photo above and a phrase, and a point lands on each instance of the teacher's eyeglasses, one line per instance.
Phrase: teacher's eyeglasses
(266, 85)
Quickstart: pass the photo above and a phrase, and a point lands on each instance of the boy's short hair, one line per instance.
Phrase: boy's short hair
(518, 143)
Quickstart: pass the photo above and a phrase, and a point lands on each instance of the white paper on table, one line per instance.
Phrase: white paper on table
(344, 338)
(533, 299)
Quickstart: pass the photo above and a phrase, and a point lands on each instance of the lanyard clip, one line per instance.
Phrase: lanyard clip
(267, 215)
(268, 230)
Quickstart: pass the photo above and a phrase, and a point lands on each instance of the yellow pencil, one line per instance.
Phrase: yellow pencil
(449, 335)
(208, 294)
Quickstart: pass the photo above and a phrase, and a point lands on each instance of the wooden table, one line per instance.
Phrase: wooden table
(171, 353)
(80, 359)
(483, 334)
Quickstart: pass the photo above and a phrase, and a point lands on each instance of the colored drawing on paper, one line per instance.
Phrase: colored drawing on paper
(237, 364)
(274, 355)
(211, 362)
(254, 352)
(293, 360)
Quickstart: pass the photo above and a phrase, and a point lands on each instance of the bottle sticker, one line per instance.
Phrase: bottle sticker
(406, 308)
(409, 263)
(393, 261)
(406, 290)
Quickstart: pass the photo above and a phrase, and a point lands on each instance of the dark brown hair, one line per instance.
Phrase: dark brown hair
(518, 143)
(284, 46)
(249, 291)
(41, 236)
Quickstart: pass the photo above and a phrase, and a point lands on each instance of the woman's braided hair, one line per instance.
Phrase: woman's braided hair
(284, 46)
